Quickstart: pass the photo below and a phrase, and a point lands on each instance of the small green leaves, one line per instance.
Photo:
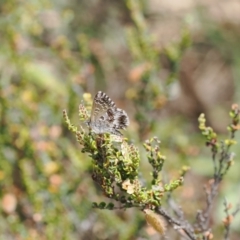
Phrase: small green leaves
(184, 170)
(221, 155)
(116, 166)
(211, 136)
(103, 205)
(230, 142)
(235, 116)
(155, 158)
(71, 127)
(208, 133)
(110, 206)
(173, 184)
(83, 113)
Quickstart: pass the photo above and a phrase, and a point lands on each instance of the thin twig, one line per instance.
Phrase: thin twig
(186, 228)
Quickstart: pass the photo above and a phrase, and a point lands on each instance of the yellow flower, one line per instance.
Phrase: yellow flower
(128, 186)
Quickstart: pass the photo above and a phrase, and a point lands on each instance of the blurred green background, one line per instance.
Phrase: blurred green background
(163, 62)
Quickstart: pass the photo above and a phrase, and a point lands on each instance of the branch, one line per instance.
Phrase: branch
(179, 225)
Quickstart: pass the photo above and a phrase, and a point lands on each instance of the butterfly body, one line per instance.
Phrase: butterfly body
(106, 117)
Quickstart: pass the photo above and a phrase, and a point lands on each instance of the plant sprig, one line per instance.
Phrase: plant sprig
(115, 166)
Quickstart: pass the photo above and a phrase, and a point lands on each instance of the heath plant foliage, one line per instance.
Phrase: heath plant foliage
(51, 52)
(115, 168)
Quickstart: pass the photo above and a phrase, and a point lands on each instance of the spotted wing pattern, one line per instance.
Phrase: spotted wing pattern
(106, 117)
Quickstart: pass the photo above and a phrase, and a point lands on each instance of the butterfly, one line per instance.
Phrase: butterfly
(106, 117)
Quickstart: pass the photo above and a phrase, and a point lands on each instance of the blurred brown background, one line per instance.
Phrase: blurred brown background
(163, 62)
